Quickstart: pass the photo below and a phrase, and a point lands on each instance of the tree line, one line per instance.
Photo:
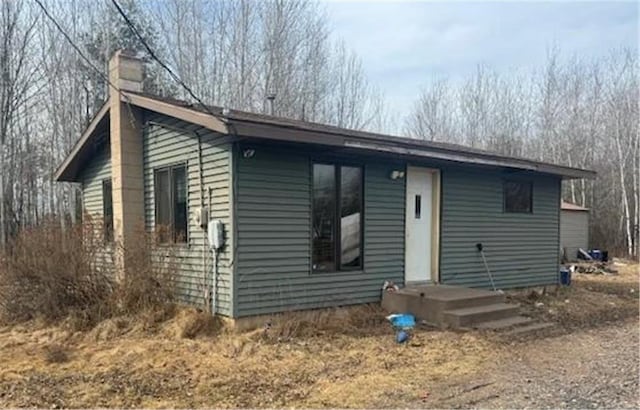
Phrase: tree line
(569, 111)
(237, 53)
(231, 53)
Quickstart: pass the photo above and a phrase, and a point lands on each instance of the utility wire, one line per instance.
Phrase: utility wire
(80, 53)
(137, 33)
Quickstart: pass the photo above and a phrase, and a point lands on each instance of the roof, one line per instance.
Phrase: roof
(568, 206)
(245, 124)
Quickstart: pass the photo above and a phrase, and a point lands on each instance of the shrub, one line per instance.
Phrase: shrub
(149, 280)
(55, 273)
(56, 354)
(51, 272)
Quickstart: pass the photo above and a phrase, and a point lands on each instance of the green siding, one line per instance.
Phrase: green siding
(91, 178)
(167, 142)
(274, 239)
(265, 266)
(274, 247)
(521, 249)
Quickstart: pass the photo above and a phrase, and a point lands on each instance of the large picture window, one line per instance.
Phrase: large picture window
(518, 196)
(171, 204)
(107, 211)
(337, 217)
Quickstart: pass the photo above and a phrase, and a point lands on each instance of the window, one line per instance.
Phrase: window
(518, 196)
(171, 204)
(107, 211)
(337, 217)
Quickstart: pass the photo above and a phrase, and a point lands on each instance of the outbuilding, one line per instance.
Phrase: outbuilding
(574, 230)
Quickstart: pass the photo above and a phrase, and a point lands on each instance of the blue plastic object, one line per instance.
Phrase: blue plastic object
(596, 254)
(565, 277)
(402, 336)
(402, 321)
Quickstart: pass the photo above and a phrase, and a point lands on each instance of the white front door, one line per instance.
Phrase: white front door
(419, 225)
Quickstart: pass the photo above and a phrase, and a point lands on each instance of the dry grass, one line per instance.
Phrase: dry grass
(57, 274)
(49, 272)
(56, 354)
(347, 358)
(190, 362)
(355, 321)
(591, 301)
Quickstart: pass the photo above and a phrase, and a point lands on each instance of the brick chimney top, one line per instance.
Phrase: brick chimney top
(126, 71)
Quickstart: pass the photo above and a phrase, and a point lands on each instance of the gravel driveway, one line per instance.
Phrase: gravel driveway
(596, 368)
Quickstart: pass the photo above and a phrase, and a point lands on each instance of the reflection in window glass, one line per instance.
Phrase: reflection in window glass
(350, 216)
(324, 208)
(179, 204)
(163, 205)
(107, 210)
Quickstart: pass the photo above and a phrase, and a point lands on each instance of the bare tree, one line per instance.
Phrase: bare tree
(580, 113)
(431, 118)
(17, 79)
(256, 49)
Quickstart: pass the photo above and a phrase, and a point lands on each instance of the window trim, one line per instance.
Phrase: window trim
(171, 168)
(107, 238)
(337, 226)
(504, 196)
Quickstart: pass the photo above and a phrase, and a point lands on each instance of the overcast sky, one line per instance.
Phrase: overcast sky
(405, 44)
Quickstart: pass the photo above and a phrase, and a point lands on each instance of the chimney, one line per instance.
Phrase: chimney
(125, 73)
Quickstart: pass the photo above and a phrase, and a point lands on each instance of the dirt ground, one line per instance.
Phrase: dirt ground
(589, 359)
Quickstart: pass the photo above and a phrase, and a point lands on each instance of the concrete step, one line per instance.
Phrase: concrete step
(534, 327)
(502, 324)
(467, 317)
(468, 301)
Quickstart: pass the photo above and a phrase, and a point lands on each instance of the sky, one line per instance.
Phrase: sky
(406, 44)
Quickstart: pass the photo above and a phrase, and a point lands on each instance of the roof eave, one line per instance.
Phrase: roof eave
(294, 133)
(67, 172)
(64, 172)
(404, 148)
(172, 110)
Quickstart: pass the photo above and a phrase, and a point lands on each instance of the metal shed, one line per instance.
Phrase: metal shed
(574, 229)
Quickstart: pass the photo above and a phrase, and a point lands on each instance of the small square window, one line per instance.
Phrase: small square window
(518, 197)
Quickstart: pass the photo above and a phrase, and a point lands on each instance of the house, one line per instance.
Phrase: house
(313, 215)
(574, 229)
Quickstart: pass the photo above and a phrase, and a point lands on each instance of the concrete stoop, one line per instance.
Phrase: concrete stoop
(459, 308)
(514, 326)
(473, 316)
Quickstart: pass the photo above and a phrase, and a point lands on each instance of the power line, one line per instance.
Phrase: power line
(135, 31)
(68, 38)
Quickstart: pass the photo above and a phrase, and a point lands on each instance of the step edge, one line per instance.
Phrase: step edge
(486, 325)
(530, 328)
(489, 308)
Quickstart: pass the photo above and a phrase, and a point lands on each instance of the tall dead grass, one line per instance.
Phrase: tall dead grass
(149, 281)
(357, 320)
(52, 273)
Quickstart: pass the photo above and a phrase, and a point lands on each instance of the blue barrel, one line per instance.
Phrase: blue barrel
(565, 277)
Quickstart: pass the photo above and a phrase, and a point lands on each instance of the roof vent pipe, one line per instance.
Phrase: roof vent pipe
(271, 97)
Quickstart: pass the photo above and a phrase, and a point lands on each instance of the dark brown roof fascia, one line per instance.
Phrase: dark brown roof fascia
(395, 145)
